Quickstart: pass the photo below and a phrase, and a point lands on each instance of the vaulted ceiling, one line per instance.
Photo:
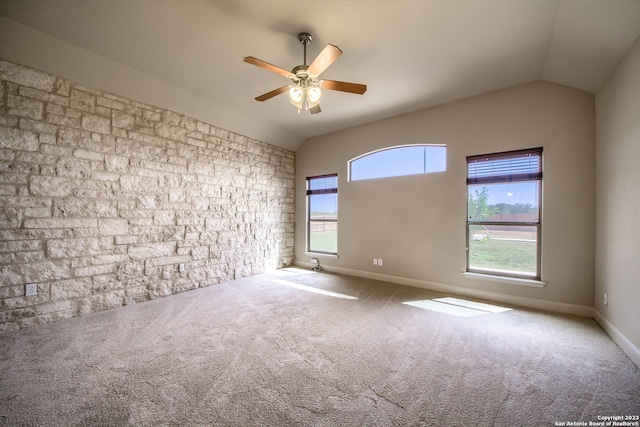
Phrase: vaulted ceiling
(186, 55)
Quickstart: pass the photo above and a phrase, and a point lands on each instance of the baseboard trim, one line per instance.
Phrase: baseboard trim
(618, 337)
(579, 310)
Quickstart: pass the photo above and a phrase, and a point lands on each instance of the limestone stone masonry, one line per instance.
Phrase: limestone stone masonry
(105, 201)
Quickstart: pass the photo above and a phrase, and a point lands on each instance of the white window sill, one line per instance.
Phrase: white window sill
(503, 279)
(320, 255)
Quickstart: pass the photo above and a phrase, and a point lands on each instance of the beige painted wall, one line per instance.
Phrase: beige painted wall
(416, 224)
(618, 197)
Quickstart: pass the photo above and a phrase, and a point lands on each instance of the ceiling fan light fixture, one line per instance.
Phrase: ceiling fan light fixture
(296, 95)
(313, 96)
(303, 96)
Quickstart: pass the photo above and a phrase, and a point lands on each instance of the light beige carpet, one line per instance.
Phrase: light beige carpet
(273, 350)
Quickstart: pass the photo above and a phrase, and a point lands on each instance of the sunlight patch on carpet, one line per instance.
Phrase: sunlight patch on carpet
(312, 289)
(457, 306)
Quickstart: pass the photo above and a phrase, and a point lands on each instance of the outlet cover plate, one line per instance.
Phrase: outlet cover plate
(31, 289)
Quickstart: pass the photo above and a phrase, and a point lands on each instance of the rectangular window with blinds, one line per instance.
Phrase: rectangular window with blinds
(504, 195)
(322, 214)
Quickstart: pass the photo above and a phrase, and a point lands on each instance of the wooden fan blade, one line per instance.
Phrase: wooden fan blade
(327, 57)
(315, 110)
(344, 86)
(269, 67)
(273, 93)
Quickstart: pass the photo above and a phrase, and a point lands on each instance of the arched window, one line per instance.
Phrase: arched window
(399, 161)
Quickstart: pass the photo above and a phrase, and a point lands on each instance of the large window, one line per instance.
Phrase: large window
(398, 161)
(322, 214)
(504, 193)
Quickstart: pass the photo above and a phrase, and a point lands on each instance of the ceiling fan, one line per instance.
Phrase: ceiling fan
(306, 88)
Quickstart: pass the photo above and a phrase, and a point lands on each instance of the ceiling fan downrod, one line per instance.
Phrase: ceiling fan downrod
(305, 39)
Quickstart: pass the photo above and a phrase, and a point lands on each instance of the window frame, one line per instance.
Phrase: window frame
(310, 220)
(394, 147)
(504, 179)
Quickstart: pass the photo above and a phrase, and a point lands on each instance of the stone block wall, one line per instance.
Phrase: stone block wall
(105, 201)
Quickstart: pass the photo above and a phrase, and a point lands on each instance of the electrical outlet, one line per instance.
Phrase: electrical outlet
(181, 268)
(375, 261)
(380, 262)
(605, 298)
(31, 289)
(314, 261)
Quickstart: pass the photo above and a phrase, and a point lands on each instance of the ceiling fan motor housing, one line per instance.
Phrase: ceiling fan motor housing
(301, 74)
